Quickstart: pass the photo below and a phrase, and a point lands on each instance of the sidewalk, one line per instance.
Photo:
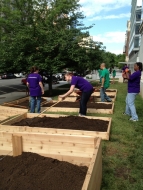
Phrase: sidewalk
(17, 95)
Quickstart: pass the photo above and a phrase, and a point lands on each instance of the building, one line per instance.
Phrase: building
(141, 44)
(127, 37)
(135, 36)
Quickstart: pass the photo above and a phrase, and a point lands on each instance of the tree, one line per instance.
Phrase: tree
(42, 33)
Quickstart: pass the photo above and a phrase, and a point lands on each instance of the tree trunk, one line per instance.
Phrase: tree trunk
(50, 84)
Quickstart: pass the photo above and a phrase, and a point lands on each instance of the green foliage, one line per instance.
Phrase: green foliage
(50, 34)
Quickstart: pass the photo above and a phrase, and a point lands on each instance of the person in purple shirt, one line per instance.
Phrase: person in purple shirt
(133, 90)
(34, 83)
(84, 86)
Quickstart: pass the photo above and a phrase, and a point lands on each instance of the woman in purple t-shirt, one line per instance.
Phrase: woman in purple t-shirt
(133, 90)
(34, 83)
(84, 86)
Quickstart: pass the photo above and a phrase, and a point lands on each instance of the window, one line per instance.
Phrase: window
(136, 42)
(137, 28)
(138, 16)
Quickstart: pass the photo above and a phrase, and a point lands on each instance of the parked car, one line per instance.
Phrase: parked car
(8, 76)
(19, 75)
(23, 81)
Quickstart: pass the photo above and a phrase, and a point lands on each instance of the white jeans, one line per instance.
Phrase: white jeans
(130, 105)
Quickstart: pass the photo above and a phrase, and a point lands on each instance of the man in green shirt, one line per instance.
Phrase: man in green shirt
(105, 83)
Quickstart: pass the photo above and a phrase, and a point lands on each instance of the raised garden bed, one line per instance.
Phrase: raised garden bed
(23, 103)
(109, 92)
(92, 98)
(6, 112)
(39, 173)
(59, 124)
(99, 107)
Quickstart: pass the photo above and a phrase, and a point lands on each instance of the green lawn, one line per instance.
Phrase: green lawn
(123, 153)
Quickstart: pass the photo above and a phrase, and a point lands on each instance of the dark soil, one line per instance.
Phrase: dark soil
(25, 104)
(34, 172)
(106, 90)
(108, 96)
(76, 105)
(70, 122)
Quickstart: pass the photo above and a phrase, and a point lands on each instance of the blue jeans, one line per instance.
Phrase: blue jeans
(33, 101)
(104, 96)
(130, 105)
(83, 101)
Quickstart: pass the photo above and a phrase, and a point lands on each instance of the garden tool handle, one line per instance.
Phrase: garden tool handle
(49, 107)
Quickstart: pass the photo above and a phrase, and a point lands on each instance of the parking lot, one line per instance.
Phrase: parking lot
(11, 85)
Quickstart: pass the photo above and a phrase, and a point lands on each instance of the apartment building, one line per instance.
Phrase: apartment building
(135, 36)
(127, 37)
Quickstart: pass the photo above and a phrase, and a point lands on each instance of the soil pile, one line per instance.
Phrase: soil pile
(31, 171)
(70, 122)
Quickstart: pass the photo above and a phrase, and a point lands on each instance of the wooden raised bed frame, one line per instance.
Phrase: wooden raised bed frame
(89, 110)
(6, 126)
(7, 112)
(98, 93)
(77, 150)
(16, 102)
(73, 99)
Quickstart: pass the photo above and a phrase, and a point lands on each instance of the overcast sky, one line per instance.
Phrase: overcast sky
(110, 19)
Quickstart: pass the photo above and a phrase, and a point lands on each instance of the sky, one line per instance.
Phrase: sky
(110, 18)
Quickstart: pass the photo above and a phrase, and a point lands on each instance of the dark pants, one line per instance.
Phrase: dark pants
(83, 102)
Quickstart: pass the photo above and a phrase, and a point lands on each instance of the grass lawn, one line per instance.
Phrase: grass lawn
(123, 153)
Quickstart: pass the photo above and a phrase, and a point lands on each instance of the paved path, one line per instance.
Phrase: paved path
(12, 89)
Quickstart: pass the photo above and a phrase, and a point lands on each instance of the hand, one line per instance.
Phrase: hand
(101, 86)
(42, 91)
(61, 97)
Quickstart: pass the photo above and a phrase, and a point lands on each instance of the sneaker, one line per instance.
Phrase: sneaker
(131, 119)
(124, 113)
(109, 100)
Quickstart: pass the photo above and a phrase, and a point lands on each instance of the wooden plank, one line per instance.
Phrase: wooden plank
(17, 145)
(75, 110)
(9, 111)
(50, 144)
(94, 174)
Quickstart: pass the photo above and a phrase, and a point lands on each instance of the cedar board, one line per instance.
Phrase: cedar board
(7, 112)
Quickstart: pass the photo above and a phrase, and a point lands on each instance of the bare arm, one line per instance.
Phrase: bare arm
(68, 93)
(128, 74)
(42, 88)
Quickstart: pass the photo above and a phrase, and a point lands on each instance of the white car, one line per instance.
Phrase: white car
(19, 75)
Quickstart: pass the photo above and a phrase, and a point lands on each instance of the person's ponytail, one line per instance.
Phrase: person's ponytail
(34, 69)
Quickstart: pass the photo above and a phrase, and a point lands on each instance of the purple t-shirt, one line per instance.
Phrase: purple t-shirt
(81, 83)
(134, 82)
(33, 79)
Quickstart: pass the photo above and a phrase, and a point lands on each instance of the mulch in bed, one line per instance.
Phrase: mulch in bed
(31, 171)
(76, 105)
(69, 122)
